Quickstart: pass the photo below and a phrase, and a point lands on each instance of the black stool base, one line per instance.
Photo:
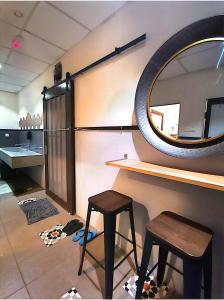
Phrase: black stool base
(109, 244)
(192, 270)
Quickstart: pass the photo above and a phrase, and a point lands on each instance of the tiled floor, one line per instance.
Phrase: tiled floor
(28, 269)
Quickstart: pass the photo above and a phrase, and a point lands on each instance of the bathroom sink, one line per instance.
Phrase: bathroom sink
(18, 157)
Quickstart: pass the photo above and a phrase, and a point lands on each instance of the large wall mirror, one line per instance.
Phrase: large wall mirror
(180, 95)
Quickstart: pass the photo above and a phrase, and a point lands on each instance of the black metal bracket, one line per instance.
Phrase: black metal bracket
(68, 77)
(44, 91)
(118, 50)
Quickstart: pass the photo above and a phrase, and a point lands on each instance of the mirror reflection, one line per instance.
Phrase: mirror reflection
(187, 99)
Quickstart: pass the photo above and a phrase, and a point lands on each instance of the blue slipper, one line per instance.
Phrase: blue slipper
(91, 235)
(78, 235)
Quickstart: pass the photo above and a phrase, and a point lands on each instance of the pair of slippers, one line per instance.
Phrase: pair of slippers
(80, 236)
(72, 226)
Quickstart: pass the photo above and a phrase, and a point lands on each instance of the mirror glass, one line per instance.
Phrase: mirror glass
(186, 102)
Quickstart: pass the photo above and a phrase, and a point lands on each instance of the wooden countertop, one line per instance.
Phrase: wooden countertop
(210, 181)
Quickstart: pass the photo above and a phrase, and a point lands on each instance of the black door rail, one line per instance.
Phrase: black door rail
(117, 51)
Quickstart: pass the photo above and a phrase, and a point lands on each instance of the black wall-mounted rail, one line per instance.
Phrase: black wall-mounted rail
(107, 128)
(117, 51)
(18, 129)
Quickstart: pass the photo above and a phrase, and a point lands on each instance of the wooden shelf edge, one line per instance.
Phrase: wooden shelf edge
(215, 182)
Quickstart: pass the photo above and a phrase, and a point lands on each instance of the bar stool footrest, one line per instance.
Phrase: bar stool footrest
(124, 237)
(102, 266)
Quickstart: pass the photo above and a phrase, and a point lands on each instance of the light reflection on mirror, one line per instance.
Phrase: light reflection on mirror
(187, 99)
(166, 118)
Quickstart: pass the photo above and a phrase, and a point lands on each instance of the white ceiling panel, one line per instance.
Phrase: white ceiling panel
(39, 49)
(173, 69)
(89, 13)
(8, 8)
(200, 48)
(50, 24)
(9, 87)
(25, 62)
(13, 80)
(15, 72)
(7, 34)
(4, 52)
(50, 30)
(202, 60)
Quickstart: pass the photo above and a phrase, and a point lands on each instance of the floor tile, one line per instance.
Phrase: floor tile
(120, 293)
(21, 294)
(2, 232)
(87, 290)
(10, 277)
(48, 257)
(128, 266)
(54, 283)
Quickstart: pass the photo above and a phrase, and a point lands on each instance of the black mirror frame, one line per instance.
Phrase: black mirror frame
(204, 29)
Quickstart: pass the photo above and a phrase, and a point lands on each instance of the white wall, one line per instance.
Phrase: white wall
(105, 96)
(30, 99)
(191, 91)
(8, 111)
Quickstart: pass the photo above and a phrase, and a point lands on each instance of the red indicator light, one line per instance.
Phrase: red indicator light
(16, 44)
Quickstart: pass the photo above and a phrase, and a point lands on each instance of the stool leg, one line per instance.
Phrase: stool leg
(144, 265)
(85, 238)
(192, 279)
(161, 265)
(207, 271)
(109, 247)
(132, 223)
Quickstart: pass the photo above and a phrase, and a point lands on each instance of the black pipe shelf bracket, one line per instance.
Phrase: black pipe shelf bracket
(107, 128)
(117, 51)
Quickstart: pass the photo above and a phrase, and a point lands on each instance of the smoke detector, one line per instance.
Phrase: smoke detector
(18, 14)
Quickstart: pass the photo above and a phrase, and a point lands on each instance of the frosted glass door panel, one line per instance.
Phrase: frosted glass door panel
(216, 125)
(56, 144)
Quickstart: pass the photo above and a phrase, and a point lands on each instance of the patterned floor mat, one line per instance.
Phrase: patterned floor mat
(53, 235)
(27, 201)
(37, 209)
(150, 289)
(71, 294)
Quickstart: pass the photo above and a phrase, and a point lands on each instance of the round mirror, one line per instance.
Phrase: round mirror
(186, 102)
(179, 101)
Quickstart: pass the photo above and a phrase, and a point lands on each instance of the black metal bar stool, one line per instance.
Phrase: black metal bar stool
(188, 240)
(109, 203)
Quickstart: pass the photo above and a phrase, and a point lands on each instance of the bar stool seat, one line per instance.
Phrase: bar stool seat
(186, 236)
(110, 203)
(188, 240)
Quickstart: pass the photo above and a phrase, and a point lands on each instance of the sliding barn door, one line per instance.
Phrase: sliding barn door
(59, 145)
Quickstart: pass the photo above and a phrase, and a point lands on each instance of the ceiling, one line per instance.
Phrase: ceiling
(49, 30)
(200, 57)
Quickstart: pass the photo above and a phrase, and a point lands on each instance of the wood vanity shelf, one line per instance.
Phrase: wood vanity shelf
(215, 182)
